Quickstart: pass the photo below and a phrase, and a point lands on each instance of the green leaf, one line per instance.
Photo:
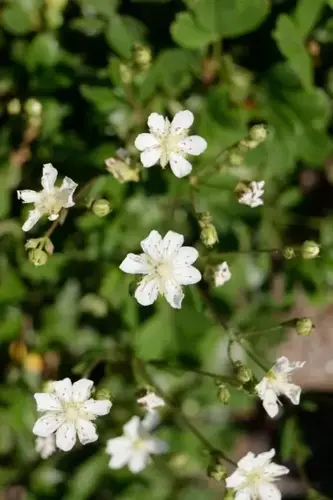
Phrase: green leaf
(90, 26)
(87, 477)
(306, 15)
(122, 32)
(187, 32)
(290, 43)
(155, 337)
(16, 20)
(104, 7)
(44, 50)
(102, 97)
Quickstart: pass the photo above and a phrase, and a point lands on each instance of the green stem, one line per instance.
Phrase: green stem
(259, 332)
(163, 364)
(253, 356)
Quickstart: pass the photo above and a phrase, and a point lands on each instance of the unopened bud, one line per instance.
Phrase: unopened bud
(310, 249)
(33, 363)
(37, 257)
(258, 133)
(208, 233)
(121, 170)
(142, 56)
(14, 107)
(304, 327)
(242, 372)
(102, 394)
(236, 158)
(216, 469)
(101, 207)
(289, 253)
(33, 107)
(223, 393)
(126, 73)
(17, 351)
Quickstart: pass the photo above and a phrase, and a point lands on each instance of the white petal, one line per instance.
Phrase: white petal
(86, 431)
(235, 480)
(49, 177)
(47, 402)
(144, 141)
(138, 461)
(268, 491)
(152, 245)
(81, 390)
(151, 420)
(262, 387)
(150, 156)
(135, 264)
(187, 275)
(270, 403)
(263, 459)
(275, 470)
(63, 389)
(293, 392)
(173, 293)
(245, 494)
(66, 436)
(247, 462)
(120, 460)
(28, 196)
(186, 256)
(157, 446)
(45, 446)
(33, 218)
(182, 121)
(53, 216)
(147, 292)
(156, 123)
(47, 424)
(118, 445)
(100, 407)
(172, 242)
(68, 187)
(132, 428)
(179, 165)
(193, 145)
(151, 401)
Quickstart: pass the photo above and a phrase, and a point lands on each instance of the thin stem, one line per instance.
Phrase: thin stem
(259, 332)
(163, 364)
(253, 356)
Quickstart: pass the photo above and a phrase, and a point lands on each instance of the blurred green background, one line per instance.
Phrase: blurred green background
(78, 80)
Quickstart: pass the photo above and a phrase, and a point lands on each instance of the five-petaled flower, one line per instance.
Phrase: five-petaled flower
(254, 477)
(166, 265)
(50, 200)
(151, 401)
(46, 446)
(222, 274)
(169, 142)
(252, 196)
(277, 382)
(69, 411)
(135, 447)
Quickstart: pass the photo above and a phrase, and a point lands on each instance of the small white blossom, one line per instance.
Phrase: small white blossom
(278, 382)
(135, 447)
(46, 446)
(166, 265)
(169, 143)
(69, 411)
(253, 195)
(50, 200)
(254, 477)
(222, 274)
(151, 401)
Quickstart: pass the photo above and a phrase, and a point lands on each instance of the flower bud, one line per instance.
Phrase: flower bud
(216, 469)
(142, 56)
(14, 107)
(121, 170)
(37, 257)
(17, 351)
(33, 363)
(224, 394)
(304, 327)
(242, 372)
(208, 233)
(258, 133)
(102, 394)
(33, 107)
(310, 249)
(126, 73)
(236, 158)
(289, 253)
(101, 207)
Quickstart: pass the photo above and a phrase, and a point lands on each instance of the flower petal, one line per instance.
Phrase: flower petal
(63, 389)
(293, 392)
(247, 462)
(150, 156)
(66, 436)
(81, 390)
(47, 402)
(172, 242)
(120, 459)
(156, 123)
(151, 401)
(86, 431)
(276, 470)
(47, 424)
(157, 446)
(145, 141)
(235, 480)
(268, 491)
(68, 187)
(186, 256)
(193, 145)
(138, 461)
(118, 445)
(245, 494)
(100, 407)
(132, 428)
(152, 245)
(33, 218)
(263, 459)
(270, 403)
(28, 196)
(49, 177)
(179, 165)
(151, 420)
(147, 292)
(53, 216)
(173, 293)
(135, 264)
(182, 121)
(187, 275)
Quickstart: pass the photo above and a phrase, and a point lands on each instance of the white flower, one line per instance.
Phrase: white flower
(151, 401)
(254, 477)
(167, 266)
(50, 200)
(222, 274)
(169, 142)
(252, 195)
(68, 411)
(46, 446)
(277, 382)
(135, 446)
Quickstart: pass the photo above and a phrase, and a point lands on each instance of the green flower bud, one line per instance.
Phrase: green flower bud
(236, 158)
(208, 233)
(33, 107)
(216, 469)
(102, 394)
(121, 170)
(310, 249)
(242, 372)
(101, 207)
(289, 253)
(14, 107)
(37, 257)
(126, 73)
(304, 327)
(258, 133)
(142, 56)
(224, 394)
